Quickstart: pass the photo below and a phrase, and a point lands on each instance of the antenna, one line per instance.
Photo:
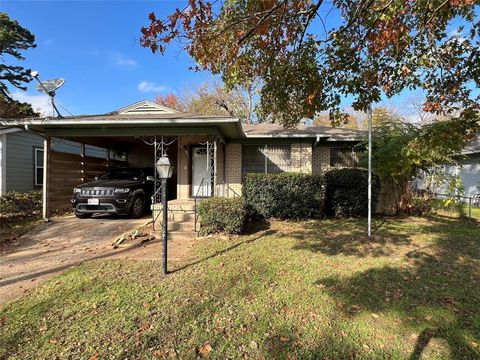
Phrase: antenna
(49, 87)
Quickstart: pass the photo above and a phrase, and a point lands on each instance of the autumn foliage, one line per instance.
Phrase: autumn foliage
(308, 63)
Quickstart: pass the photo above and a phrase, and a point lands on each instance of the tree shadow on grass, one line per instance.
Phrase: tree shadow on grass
(435, 290)
(225, 250)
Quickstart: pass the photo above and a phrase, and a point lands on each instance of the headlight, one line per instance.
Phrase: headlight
(122, 191)
(77, 190)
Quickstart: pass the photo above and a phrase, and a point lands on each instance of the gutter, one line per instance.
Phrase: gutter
(125, 121)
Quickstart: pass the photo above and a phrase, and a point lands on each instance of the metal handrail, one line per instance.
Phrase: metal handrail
(235, 194)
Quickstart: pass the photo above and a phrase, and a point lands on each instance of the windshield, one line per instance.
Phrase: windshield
(123, 174)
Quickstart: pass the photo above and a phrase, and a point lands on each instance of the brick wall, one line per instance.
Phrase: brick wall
(301, 158)
(233, 169)
(320, 159)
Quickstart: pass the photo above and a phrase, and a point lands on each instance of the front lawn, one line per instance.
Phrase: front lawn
(294, 290)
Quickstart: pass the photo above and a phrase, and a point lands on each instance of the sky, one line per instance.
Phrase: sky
(94, 46)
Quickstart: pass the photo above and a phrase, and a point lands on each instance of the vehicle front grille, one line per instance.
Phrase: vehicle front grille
(98, 192)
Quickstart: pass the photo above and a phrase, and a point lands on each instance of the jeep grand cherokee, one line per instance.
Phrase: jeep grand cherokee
(125, 191)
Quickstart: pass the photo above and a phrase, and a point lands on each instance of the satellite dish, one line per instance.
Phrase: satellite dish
(49, 86)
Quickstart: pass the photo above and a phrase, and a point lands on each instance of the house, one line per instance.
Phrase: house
(210, 154)
(467, 169)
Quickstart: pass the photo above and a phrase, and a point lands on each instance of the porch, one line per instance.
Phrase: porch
(198, 161)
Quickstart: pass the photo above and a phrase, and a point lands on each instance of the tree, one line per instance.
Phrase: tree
(11, 109)
(377, 47)
(214, 99)
(350, 122)
(13, 39)
(381, 115)
(170, 101)
(402, 151)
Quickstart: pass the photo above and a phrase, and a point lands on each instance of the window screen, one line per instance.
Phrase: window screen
(344, 157)
(253, 159)
(278, 158)
(270, 159)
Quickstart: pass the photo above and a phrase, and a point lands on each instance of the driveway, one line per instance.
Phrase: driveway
(53, 247)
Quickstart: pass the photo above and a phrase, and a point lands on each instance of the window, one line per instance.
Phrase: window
(269, 159)
(95, 151)
(38, 166)
(344, 157)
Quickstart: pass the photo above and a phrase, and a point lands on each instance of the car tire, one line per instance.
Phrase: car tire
(137, 207)
(83, 216)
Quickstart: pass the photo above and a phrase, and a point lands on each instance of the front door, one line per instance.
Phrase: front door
(201, 174)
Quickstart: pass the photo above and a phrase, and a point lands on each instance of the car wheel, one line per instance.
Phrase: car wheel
(83, 216)
(138, 205)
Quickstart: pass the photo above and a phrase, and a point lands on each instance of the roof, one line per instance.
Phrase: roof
(146, 118)
(473, 146)
(264, 130)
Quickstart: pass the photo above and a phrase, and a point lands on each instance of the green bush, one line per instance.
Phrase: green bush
(21, 204)
(285, 195)
(222, 215)
(347, 192)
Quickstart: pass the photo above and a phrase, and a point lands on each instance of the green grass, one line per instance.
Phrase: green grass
(295, 290)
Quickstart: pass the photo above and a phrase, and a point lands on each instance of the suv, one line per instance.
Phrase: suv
(125, 191)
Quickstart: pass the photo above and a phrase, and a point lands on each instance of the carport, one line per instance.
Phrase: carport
(132, 136)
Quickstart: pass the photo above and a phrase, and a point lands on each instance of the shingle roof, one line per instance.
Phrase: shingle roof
(276, 130)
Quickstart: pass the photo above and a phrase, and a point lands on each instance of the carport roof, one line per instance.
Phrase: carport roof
(140, 119)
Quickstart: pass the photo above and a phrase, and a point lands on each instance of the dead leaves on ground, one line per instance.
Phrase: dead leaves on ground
(205, 349)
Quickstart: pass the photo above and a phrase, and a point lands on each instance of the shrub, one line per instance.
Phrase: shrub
(285, 195)
(21, 205)
(222, 215)
(347, 192)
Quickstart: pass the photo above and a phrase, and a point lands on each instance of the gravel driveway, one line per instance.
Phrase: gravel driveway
(53, 247)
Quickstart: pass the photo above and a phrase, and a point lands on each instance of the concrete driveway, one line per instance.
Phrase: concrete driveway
(53, 247)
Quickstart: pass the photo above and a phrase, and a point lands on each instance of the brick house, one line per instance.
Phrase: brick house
(210, 154)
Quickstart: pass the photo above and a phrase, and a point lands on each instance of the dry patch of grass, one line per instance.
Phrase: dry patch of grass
(294, 290)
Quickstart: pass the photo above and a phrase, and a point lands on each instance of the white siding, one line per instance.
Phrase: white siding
(470, 175)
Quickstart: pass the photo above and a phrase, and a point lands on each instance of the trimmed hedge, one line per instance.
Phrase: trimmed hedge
(285, 195)
(347, 192)
(222, 215)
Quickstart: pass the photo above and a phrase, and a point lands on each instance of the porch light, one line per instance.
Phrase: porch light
(164, 168)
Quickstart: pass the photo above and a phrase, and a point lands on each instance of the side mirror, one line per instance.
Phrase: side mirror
(150, 178)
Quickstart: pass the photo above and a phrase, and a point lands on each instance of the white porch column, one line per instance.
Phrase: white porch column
(46, 187)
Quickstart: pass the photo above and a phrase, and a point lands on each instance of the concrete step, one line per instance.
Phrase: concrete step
(177, 206)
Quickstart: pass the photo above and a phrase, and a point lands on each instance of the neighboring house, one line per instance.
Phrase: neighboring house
(467, 169)
(21, 158)
(210, 154)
